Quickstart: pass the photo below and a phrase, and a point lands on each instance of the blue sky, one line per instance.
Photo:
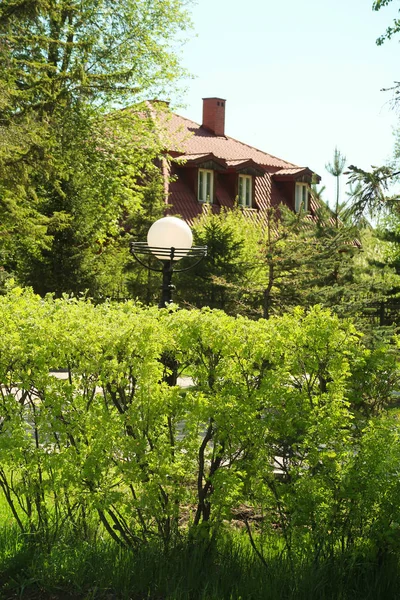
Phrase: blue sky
(299, 77)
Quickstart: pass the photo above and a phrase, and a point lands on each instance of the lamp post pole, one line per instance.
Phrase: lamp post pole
(169, 240)
(167, 286)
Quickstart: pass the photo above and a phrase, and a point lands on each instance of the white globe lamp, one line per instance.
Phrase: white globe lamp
(170, 238)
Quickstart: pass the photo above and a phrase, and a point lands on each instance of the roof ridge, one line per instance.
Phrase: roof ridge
(292, 168)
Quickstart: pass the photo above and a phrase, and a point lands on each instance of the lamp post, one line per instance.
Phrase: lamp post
(169, 239)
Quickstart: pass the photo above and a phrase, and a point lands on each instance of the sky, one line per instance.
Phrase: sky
(299, 78)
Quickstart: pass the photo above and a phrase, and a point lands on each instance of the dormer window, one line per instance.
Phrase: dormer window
(301, 197)
(206, 186)
(245, 190)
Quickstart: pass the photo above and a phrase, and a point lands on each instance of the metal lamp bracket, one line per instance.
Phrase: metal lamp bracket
(167, 256)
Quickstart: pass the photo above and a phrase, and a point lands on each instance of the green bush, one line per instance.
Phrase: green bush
(270, 437)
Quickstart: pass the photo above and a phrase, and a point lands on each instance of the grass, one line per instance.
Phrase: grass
(77, 570)
(229, 571)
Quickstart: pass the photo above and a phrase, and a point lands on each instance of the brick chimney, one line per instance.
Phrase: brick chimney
(214, 115)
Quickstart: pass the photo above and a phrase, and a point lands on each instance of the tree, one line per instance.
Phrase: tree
(69, 174)
(285, 245)
(141, 283)
(64, 51)
(373, 187)
(372, 194)
(391, 30)
(226, 278)
(336, 168)
(269, 266)
(372, 190)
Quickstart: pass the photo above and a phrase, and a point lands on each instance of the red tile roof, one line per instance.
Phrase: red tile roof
(191, 142)
(189, 137)
(289, 172)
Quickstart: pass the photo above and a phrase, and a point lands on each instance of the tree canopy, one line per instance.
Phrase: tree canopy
(72, 166)
(392, 29)
(65, 50)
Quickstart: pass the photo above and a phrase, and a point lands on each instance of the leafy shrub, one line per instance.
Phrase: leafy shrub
(270, 434)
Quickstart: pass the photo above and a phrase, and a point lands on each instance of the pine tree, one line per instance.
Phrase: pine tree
(228, 277)
(336, 168)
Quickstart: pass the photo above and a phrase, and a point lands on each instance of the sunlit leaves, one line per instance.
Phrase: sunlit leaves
(282, 416)
(391, 30)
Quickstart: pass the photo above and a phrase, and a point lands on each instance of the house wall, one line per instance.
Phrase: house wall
(283, 193)
(183, 192)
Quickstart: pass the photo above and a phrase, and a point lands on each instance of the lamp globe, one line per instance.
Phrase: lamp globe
(170, 232)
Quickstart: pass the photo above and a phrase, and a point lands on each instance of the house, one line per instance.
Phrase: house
(208, 166)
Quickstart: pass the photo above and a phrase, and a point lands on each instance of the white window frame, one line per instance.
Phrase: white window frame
(245, 191)
(301, 197)
(205, 186)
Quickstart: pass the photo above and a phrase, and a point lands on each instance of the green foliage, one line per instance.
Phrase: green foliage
(141, 283)
(226, 278)
(372, 190)
(391, 30)
(94, 49)
(71, 172)
(336, 168)
(281, 420)
(101, 184)
(315, 260)
(283, 260)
